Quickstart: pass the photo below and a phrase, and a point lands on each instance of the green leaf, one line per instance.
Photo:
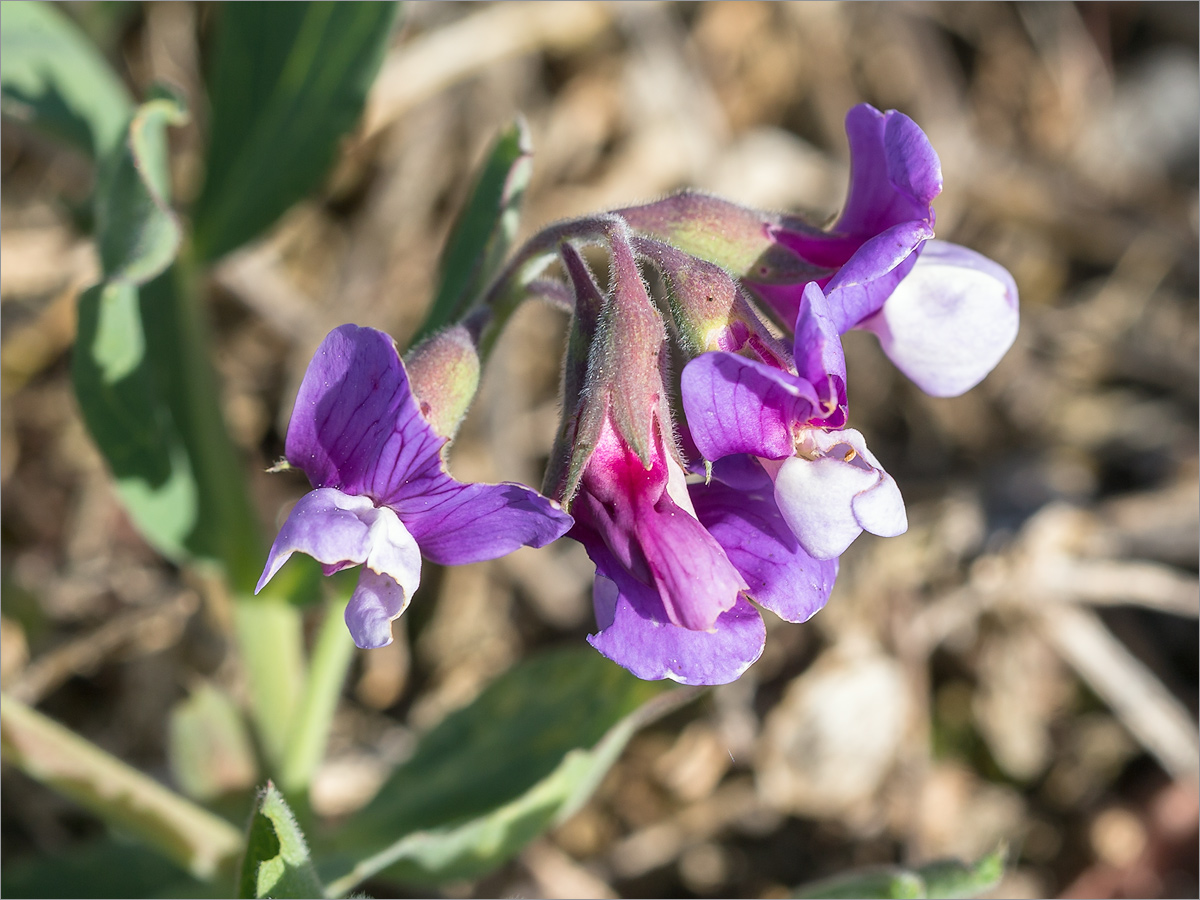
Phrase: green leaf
(137, 232)
(102, 868)
(195, 839)
(121, 403)
(150, 399)
(208, 747)
(529, 750)
(52, 77)
(951, 878)
(890, 884)
(286, 82)
(940, 879)
(276, 863)
(129, 421)
(485, 229)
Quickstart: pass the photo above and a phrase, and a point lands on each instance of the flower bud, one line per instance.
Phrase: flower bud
(709, 308)
(736, 238)
(443, 371)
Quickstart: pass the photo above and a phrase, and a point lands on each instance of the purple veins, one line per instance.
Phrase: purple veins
(381, 495)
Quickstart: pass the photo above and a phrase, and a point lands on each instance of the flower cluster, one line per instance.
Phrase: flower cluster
(693, 521)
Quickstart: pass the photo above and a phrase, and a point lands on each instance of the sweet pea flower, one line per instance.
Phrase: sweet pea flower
(668, 600)
(944, 314)
(677, 564)
(381, 495)
(828, 487)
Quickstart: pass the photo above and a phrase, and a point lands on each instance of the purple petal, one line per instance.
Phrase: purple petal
(894, 172)
(740, 471)
(376, 601)
(736, 405)
(861, 286)
(913, 166)
(694, 577)
(340, 530)
(837, 490)
(642, 518)
(950, 320)
(457, 523)
(750, 528)
(819, 357)
(356, 425)
(635, 633)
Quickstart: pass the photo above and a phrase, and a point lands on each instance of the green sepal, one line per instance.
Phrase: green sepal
(736, 238)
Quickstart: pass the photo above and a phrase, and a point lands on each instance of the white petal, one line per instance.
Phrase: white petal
(950, 320)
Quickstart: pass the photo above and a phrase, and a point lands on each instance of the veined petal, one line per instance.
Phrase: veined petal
(694, 577)
(457, 523)
(820, 359)
(737, 405)
(828, 497)
(894, 172)
(340, 530)
(747, 524)
(356, 425)
(635, 634)
(861, 286)
(950, 320)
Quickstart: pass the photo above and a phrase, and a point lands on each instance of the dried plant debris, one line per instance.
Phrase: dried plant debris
(1020, 667)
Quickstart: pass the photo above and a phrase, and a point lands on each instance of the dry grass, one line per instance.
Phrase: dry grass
(1020, 666)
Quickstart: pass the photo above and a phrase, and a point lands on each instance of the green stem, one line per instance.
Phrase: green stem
(270, 636)
(268, 628)
(509, 289)
(331, 658)
(203, 844)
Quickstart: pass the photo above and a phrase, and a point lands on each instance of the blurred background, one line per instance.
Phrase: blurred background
(1021, 666)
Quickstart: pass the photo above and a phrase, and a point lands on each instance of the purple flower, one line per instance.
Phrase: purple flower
(828, 487)
(382, 496)
(668, 600)
(676, 564)
(894, 177)
(944, 314)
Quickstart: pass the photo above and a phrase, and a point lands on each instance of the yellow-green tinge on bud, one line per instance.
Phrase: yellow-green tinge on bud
(443, 371)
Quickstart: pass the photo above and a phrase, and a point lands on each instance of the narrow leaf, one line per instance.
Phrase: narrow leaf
(121, 403)
(287, 81)
(276, 863)
(496, 774)
(53, 78)
(484, 231)
(192, 837)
